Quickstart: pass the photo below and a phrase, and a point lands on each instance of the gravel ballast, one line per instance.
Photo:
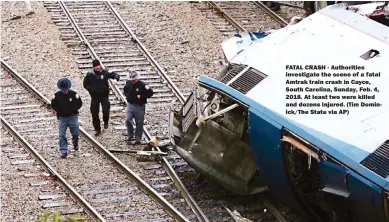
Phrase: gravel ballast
(19, 199)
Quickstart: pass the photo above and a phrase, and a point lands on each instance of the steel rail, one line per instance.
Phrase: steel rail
(185, 193)
(154, 63)
(270, 12)
(26, 84)
(91, 211)
(123, 168)
(92, 52)
(227, 16)
(165, 163)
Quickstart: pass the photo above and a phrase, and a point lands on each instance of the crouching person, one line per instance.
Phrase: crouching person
(66, 103)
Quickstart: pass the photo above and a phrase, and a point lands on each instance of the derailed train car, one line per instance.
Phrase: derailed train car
(235, 131)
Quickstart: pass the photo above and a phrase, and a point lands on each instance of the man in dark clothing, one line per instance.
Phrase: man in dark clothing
(137, 92)
(66, 103)
(96, 82)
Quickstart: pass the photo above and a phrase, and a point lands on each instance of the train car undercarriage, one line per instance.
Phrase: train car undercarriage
(210, 133)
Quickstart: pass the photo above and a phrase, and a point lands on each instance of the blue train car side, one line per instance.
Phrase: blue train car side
(238, 130)
(331, 191)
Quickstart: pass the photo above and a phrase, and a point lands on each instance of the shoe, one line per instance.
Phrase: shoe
(105, 125)
(130, 139)
(97, 132)
(64, 155)
(137, 143)
(76, 148)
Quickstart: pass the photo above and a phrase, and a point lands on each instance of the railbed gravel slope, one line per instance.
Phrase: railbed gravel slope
(178, 37)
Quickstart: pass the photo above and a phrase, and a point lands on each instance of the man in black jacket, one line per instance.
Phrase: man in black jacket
(66, 103)
(96, 82)
(137, 92)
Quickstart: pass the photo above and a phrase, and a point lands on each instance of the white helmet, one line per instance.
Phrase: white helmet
(132, 75)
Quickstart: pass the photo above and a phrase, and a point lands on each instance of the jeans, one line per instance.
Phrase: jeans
(137, 112)
(64, 123)
(95, 108)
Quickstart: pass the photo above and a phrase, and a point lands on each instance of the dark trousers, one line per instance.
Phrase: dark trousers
(95, 109)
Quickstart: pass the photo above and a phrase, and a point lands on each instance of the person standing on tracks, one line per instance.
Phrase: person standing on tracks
(66, 103)
(96, 82)
(137, 92)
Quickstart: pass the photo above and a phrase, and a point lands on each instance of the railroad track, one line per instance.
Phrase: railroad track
(95, 31)
(109, 192)
(109, 39)
(30, 171)
(119, 50)
(247, 16)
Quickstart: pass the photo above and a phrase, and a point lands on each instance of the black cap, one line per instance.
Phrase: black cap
(96, 63)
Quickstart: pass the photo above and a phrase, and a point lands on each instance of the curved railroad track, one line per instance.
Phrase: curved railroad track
(109, 191)
(108, 38)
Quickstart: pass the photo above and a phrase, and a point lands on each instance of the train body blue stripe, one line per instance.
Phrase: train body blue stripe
(343, 152)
